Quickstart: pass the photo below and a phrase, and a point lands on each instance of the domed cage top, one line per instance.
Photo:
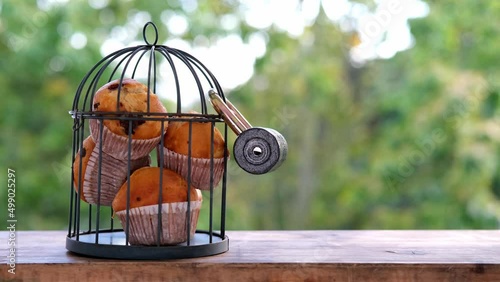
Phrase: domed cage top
(120, 124)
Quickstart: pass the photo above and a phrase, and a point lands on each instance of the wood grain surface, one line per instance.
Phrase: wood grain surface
(370, 255)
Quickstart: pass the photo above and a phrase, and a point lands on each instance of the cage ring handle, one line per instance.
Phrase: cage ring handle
(229, 113)
(144, 33)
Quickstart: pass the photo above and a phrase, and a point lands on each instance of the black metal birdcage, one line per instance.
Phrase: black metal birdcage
(93, 230)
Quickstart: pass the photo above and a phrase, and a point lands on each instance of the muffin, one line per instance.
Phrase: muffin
(144, 208)
(133, 100)
(176, 152)
(83, 154)
(113, 173)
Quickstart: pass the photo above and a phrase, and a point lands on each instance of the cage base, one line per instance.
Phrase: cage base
(112, 245)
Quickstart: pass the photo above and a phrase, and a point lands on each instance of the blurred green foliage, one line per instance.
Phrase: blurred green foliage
(410, 142)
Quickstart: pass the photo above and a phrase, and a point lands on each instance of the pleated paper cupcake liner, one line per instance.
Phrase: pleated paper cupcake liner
(200, 168)
(117, 146)
(113, 175)
(143, 223)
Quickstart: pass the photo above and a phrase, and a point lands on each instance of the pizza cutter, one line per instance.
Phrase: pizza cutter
(257, 150)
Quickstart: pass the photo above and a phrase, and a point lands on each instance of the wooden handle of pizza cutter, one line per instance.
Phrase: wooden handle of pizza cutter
(234, 119)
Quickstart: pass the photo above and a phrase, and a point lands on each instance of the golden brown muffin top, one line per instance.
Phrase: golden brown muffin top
(133, 98)
(144, 184)
(177, 138)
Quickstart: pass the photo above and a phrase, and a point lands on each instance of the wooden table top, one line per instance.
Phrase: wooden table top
(368, 255)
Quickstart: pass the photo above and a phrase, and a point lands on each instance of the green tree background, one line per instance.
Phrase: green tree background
(410, 142)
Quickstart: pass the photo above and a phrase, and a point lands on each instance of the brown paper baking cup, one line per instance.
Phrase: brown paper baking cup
(143, 223)
(200, 168)
(117, 146)
(113, 175)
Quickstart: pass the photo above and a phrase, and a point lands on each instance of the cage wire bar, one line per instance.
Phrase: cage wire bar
(97, 239)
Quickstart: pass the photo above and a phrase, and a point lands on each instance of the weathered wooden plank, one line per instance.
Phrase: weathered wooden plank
(370, 255)
(145, 271)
